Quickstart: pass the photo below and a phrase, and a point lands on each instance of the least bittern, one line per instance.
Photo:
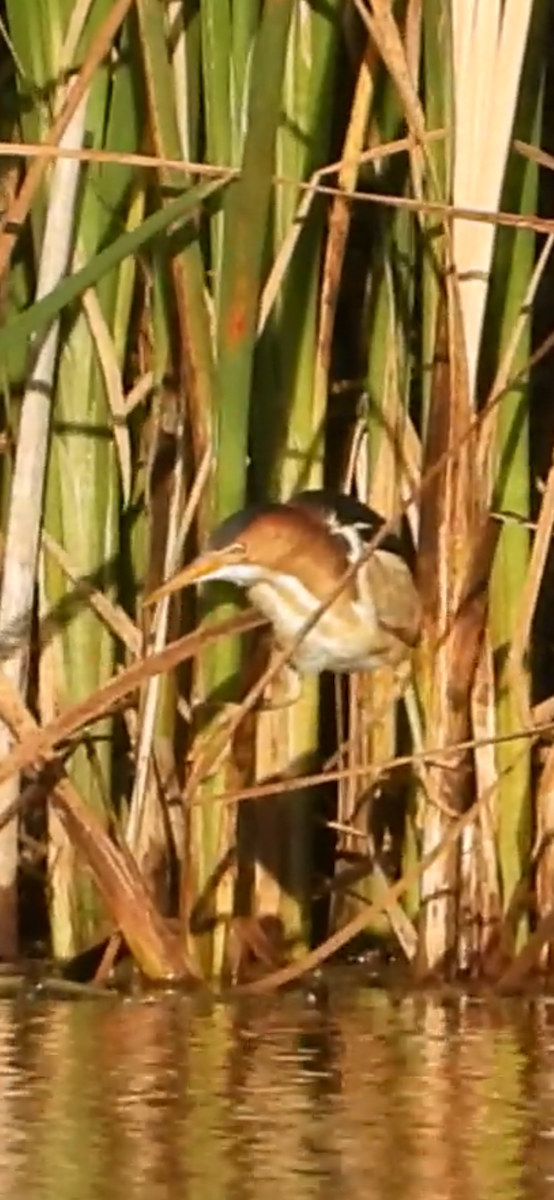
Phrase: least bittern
(291, 557)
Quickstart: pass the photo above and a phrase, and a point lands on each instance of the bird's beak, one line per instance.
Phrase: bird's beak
(200, 569)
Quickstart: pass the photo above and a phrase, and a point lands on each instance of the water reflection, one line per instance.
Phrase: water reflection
(180, 1098)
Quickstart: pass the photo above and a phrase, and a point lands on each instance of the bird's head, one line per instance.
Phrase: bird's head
(250, 546)
(308, 539)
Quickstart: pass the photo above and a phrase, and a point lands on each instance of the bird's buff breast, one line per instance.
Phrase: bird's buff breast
(332, 644)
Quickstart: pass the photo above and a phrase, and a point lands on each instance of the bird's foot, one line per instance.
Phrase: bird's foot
(283, 691)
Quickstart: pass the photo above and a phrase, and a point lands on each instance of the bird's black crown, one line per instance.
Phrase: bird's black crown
(346, 510)
(349, 511)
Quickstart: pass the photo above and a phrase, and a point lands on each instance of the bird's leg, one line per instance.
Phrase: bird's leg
(284, 689)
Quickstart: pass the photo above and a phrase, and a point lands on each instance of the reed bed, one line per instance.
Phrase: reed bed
(246, 249)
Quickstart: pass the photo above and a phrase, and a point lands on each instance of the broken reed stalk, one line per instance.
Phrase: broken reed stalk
(120, 885)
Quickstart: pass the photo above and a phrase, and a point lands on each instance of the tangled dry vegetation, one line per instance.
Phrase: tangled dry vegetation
(247, 248)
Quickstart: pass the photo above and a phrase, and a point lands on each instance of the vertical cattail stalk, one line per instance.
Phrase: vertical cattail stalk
(27, 495)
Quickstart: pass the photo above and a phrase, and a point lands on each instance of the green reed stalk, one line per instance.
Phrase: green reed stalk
(386, 469)
(514, 261)
(24, 516)
(242, 121)
(443, 519)
(84, 484)
(288, 432)
(82, 474)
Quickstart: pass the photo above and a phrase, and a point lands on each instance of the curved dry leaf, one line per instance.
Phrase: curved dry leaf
(41, 743)
(111, 614)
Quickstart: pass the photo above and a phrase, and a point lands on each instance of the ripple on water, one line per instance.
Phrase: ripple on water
(179, 1099)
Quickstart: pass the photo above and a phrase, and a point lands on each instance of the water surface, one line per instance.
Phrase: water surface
(368, 1097)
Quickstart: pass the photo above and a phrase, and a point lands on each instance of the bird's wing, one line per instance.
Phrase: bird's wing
(396, 598)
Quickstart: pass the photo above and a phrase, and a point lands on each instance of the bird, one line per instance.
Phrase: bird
(290, 556)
